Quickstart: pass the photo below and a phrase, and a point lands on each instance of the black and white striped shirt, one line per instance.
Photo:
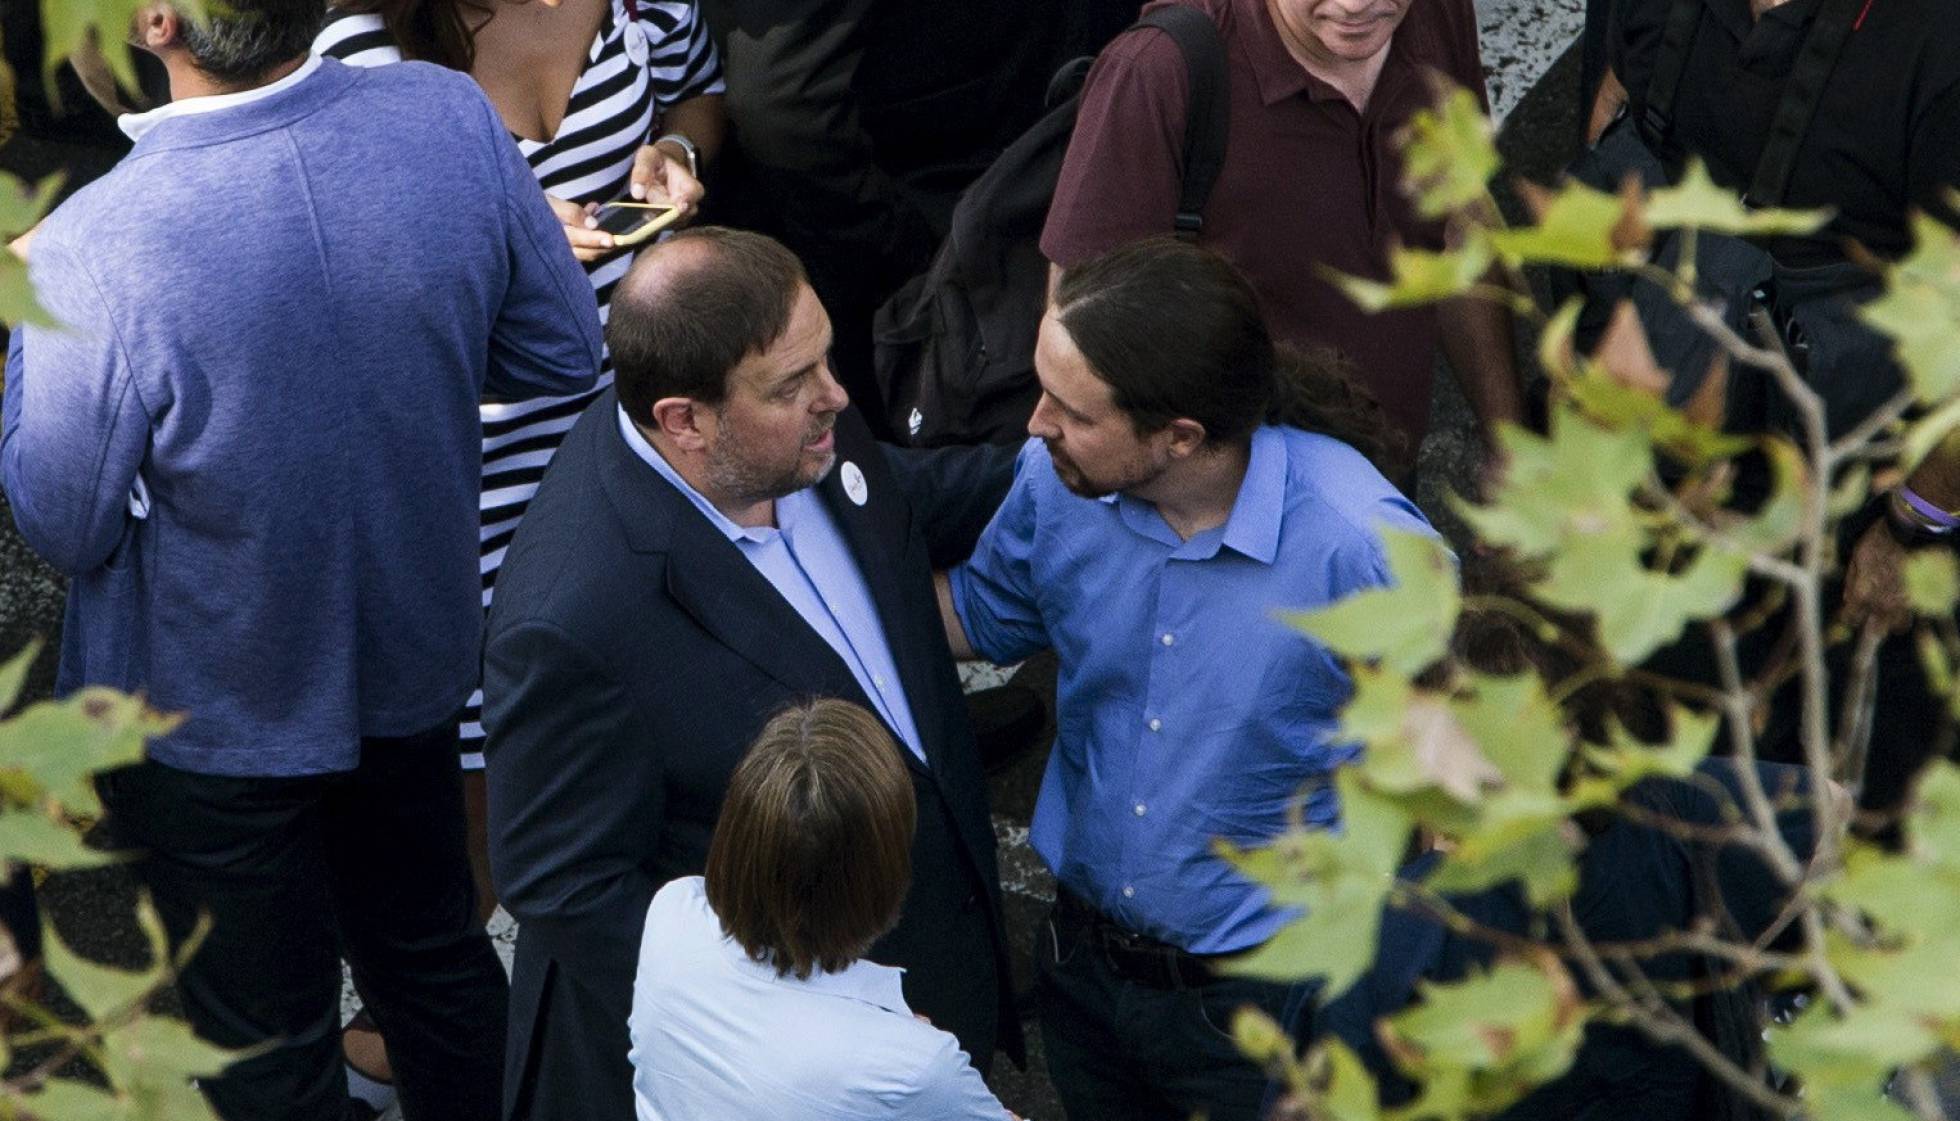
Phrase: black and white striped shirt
(647, 56)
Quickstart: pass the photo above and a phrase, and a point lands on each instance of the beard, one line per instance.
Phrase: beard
(738, 469)
(1126, 476)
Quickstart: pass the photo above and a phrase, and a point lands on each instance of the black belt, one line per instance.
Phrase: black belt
(1132, 956)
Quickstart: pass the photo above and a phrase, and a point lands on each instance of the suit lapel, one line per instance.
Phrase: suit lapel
(876, 531)
(710, 579)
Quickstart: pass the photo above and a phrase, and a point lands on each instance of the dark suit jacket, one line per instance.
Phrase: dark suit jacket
(632, 656)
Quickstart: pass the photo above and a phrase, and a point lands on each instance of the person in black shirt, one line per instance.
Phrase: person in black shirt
(1886, 133)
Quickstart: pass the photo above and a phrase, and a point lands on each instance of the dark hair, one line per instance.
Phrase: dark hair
(438, 31)
(812, 855)
(1176, 332)
(680, 335)
(240, 41)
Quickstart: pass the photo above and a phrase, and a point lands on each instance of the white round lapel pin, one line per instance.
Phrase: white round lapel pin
(854, 483)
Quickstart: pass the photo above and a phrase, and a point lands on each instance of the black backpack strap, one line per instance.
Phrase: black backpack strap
(1208, 117)
(1664, 84)
(1802, 91)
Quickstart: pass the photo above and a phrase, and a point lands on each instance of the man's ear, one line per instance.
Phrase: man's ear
(679, 420)
(157, 26)
(1185, 436)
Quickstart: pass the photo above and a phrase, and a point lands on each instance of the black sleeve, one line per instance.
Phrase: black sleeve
(576, 800)
(953, 492)
(1933, 165)
(791, 67)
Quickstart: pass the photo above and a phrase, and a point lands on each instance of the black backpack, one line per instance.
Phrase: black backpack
(953, 350)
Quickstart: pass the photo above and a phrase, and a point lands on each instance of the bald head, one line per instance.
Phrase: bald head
(691, 308)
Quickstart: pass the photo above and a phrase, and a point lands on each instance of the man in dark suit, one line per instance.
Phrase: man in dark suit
(719, 536)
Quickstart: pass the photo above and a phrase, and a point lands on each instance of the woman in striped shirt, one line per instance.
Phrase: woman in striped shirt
(607, 99)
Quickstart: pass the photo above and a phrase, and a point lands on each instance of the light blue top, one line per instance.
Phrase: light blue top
(1187, 711)
(717, 1035)
(807, 560)
(280, 313)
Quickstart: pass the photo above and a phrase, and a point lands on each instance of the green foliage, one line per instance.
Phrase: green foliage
(50, 751)
(1419, 277)
(1481, 1044)
(21, 207)
(1933, 582)
(1406, 625)
(1338, 881)
(69, 26)
(1697, 203)
(1920, 310)
(1576, 229)
(1626, 536)
(1567, 502)
(1449, 155)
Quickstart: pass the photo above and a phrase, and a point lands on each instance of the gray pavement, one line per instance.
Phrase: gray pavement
(1533, 80)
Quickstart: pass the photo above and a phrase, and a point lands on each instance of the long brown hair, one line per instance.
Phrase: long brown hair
(812, 854)
(1176, 331)
(438, 31)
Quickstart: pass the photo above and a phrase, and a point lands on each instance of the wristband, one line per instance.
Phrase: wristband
(687, 148)
(1943, 521)
(1910, 523)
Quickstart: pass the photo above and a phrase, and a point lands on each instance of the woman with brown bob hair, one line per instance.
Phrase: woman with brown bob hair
(753, 998)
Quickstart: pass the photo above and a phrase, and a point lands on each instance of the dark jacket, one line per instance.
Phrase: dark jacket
(633, 655)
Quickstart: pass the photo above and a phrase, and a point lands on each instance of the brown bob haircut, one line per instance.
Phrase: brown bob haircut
(812, 855)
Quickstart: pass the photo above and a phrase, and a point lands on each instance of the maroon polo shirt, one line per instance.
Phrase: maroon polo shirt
(1307, 181)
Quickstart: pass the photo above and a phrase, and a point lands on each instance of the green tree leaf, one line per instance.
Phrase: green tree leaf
(14, 673)
(1920, 310)
(1449, 155)
(60, 1099)
(1520, 836)
(153, 1060)
(33, 838)
(1932, 581)
(1350, 1093)
(1639, 610)
(1518, 727)
(1407, 625)
(1481, 1044)
(1696, 201)
(104, 993)
(1691, 735)
(1419, 277)
(1576, 229)
(62, 743)
(1340, 881)
(1574, 482)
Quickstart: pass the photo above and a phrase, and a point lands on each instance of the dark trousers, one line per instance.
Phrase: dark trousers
(297, 872)
(1121, 1048)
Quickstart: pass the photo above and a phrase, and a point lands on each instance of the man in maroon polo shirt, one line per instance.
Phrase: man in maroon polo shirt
(1319, 90)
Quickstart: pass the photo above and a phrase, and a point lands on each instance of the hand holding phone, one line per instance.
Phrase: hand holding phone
(632, 223)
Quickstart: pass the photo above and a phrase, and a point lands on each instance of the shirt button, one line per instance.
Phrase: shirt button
(1156, 725)
(1142, 809)
(1169, 638)
(1129, 892)
(878, 681)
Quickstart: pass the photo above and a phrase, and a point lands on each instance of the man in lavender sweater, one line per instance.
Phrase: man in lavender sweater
(253, 447)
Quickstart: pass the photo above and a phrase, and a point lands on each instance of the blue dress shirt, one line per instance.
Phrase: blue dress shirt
(1187, 711)
(805, 557)
(717, 1035)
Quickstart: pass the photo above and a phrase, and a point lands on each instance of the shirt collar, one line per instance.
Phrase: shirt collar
(1252, 528)
(637, 443)
(137, 125)
(1254, 525)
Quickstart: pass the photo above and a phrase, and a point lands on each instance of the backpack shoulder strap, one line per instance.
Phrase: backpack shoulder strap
(1802, 92)
(1209, 115)
(1664, 84)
